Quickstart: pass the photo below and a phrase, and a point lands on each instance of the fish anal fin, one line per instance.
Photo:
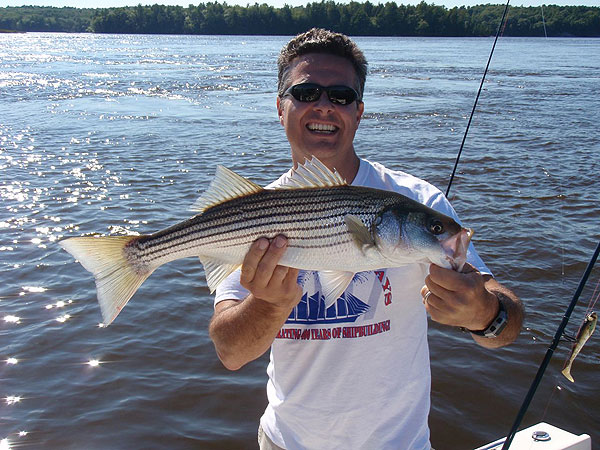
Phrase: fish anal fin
(216, 271)
(334, 283)
(359, 231)
(226, 185)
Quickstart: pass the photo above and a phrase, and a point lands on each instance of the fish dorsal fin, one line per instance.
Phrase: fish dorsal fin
(225, 186)
(313, 173)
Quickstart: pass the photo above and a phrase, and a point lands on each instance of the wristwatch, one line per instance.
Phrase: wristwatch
(498, 324)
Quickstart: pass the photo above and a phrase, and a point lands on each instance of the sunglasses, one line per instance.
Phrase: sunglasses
(311, 92)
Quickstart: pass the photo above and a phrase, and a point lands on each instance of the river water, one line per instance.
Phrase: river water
(120, 134)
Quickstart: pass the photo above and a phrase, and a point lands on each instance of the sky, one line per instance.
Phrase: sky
(280, 3)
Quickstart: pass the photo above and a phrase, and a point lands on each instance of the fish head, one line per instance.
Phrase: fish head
(591, 320)
(421, 235)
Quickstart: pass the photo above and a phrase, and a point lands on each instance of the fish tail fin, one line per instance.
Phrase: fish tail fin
(117, 279)
(567, 373)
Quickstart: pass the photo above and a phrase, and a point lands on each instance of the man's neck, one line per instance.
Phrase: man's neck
(346, 167)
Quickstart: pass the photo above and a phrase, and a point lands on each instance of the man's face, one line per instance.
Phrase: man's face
(321, 128)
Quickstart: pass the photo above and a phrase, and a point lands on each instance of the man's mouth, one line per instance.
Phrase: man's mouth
(321, 128)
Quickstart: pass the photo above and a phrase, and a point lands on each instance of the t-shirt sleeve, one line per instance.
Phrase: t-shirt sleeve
(231, 289)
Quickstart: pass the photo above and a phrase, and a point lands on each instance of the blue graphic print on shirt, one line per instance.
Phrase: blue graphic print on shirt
(369, 286)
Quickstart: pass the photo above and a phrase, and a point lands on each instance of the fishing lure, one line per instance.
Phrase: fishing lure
(586, 330)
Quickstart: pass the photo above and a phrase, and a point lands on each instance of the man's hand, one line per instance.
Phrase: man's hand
(469, 299)
(459, 298)
(267, 280)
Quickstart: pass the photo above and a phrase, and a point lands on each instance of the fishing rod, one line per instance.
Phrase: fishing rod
(476, 99)
(546, 361)
(568, 312)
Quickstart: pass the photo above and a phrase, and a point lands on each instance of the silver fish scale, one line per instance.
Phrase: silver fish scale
(311, 218)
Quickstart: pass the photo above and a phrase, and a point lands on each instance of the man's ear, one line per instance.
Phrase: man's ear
(280, 110)
(360, 109)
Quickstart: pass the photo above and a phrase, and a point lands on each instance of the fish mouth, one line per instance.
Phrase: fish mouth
(456, 246)
(321, 128)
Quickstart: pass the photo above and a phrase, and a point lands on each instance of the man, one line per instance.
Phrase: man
(360, 379)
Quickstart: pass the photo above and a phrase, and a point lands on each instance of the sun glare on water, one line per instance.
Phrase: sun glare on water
(12, 399)
(12, 319)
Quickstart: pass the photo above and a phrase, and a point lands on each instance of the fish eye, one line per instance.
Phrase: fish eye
(436, 226)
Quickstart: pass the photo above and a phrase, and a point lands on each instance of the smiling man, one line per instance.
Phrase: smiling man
(355, 375)
(324, 128)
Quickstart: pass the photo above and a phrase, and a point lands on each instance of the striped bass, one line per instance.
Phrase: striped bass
(331, 227)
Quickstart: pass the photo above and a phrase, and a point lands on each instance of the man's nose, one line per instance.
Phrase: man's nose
(323, 104)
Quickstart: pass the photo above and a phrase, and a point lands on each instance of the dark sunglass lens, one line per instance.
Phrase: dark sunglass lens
(342, 95)
(306, 93)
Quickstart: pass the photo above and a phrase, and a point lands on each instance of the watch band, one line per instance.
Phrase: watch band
(498, 324)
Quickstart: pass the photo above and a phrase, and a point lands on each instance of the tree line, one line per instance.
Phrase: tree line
(354, 18)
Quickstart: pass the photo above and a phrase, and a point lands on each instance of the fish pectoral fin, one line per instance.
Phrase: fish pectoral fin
(216, 271)
(359, 231)
(334, 283)
(226, 185)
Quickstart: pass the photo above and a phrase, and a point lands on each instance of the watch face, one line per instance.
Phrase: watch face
(498, 324)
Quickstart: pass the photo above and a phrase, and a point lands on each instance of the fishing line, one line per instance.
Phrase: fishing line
(594, 299)
(556, 388)
(476, 99)
(546, 361)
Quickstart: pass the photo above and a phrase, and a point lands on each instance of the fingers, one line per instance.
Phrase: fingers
(439, 308)
(452, 280)
(290, 282)
(443, 293)
(263, 276)
(435, 291)
(424, 292)
(455, 298)
(433, 300)
(252, 258)
(261, 260)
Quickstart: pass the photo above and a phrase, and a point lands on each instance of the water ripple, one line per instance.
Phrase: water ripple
(120, 134)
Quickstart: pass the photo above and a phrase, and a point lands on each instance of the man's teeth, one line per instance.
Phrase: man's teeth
(321, 127)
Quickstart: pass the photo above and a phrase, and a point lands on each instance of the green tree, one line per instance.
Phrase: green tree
(355, 18)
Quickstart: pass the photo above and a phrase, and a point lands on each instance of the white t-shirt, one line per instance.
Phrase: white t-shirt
(355, 376)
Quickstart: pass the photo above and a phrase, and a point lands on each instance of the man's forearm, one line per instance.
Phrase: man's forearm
(243, 330)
